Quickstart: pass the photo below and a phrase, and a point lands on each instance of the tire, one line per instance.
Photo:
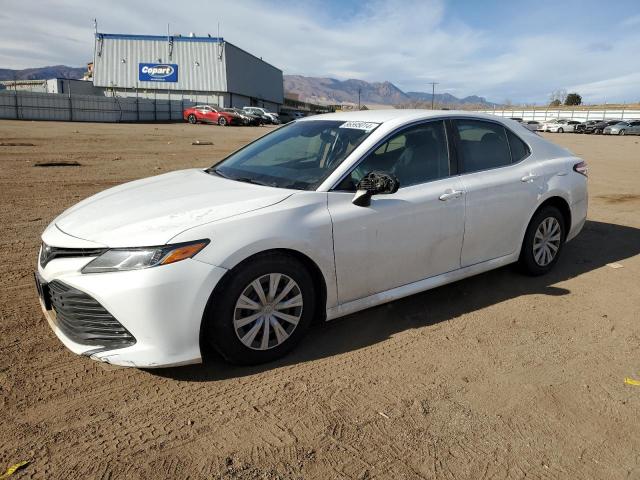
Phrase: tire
(531, 261)
(192, 119)
(621, 132)
(230, 338)
(222, 122)
(560, 130)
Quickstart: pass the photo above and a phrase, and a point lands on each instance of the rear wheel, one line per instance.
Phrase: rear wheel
(222, 121)
(560, 130)
(543, 241)
(192, 119)
(262, 310)
(621, 132)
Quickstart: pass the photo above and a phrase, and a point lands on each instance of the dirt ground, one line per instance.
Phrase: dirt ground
(497, 376)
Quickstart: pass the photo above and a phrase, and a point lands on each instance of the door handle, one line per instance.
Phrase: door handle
(449, 194)
(529, 177)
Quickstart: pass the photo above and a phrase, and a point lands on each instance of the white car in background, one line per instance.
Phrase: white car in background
(323, 217)
(561, 126)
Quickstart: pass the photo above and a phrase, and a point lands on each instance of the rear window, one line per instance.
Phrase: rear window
(484, 145)
(519, 149)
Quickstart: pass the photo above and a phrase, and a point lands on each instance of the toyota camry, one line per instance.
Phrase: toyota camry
(320, 218)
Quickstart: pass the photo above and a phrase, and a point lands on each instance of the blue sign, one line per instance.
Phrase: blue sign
(157, 72)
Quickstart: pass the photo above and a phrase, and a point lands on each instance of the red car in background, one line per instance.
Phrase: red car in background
(209, 114)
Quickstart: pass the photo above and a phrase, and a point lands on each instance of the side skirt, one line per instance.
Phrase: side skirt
(419, 286)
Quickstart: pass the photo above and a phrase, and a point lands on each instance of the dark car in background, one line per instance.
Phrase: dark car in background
(598, 128)
(586, 127)
(246, 117)
(268, 117)
(287, 116)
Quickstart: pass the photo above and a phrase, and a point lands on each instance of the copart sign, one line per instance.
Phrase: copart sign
(157, 72)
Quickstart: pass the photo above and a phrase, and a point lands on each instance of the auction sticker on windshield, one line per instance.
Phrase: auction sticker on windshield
(366, 126)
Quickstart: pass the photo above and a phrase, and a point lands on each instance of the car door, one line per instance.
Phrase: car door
(204, 114)
(403, 237)
(501, 184)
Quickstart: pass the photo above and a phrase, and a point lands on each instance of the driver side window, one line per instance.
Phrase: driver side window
(416, 155)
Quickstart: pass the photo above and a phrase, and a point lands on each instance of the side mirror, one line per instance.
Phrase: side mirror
(374, 183)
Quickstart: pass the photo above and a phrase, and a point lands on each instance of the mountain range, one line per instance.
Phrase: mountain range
(332, 91)
(42, 73)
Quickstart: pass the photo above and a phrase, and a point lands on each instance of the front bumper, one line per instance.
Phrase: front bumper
(160, 307)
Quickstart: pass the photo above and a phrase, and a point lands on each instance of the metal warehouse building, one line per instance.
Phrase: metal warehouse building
(200, 69)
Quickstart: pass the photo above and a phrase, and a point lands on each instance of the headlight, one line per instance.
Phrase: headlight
(121, 259)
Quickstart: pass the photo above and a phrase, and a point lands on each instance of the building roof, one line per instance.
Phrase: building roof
(175, 38)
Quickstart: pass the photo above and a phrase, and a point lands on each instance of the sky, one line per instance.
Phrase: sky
(503, 50)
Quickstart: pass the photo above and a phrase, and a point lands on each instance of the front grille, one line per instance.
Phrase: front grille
(48, 253)
(84, 320)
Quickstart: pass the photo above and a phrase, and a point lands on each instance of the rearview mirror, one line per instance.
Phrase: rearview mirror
(374, 183)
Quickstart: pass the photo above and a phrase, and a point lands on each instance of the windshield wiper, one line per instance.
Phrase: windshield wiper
(217, 172)
(239, 179)
(252, 181)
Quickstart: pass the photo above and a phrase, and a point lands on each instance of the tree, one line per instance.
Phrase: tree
(559, 95)
(555, 103)
(573, 99)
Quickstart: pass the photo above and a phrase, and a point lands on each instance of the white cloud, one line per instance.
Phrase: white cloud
(625, 85)
(407, 42)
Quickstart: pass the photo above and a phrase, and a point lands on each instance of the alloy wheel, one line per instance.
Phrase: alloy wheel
(546, 241)
(268, 311)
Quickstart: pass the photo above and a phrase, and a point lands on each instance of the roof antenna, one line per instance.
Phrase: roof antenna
(220, 44)
(95, 26)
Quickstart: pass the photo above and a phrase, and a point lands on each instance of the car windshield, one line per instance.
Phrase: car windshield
(300, 155)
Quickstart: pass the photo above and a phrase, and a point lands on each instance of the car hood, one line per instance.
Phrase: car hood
(153, 210)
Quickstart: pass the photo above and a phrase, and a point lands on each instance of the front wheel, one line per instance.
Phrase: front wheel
(192, 119)
(560, 130)
(261, 311)
(543, 241)
(621, 132)
(222, 121)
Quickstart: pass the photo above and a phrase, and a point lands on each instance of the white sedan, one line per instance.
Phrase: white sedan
(323, 217)
(560, 126)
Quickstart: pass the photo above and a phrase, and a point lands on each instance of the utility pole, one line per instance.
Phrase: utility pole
(433, 93)
(358, 98)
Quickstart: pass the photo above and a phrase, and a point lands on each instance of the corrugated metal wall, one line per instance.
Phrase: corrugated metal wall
(199, 65)
(249, 76)
(88, 108)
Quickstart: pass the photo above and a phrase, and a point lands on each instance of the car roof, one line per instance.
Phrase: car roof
(398, 115)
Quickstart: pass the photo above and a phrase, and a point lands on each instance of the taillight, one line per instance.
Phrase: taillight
(581, 168)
